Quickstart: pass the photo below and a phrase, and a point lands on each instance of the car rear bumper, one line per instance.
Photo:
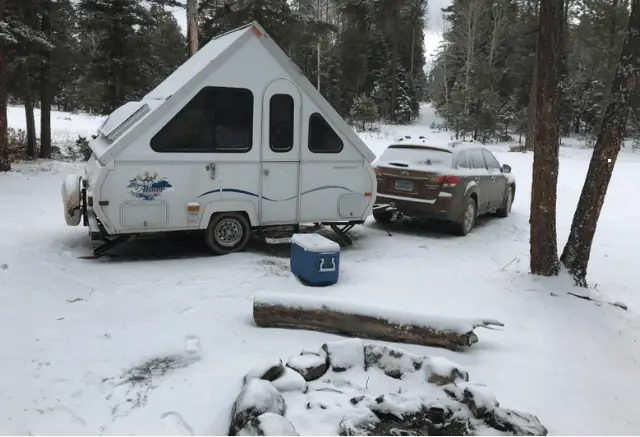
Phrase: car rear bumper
(441, 208)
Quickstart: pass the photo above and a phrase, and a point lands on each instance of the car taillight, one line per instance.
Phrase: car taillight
(449, 181)
(378, 172)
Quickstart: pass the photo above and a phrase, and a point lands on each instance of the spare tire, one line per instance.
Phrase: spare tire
(71, 199)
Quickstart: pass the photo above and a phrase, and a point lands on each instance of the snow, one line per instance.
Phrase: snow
(417, 159)
(315, 243)
(290, 381)
(71, 327)
(389, 314)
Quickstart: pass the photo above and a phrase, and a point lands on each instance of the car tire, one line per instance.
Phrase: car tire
(227, 232)
(506, 207)
(467, 219)
(382, 215)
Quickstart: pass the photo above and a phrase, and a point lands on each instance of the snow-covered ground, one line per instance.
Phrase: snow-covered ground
(80, 338)
(65, 127)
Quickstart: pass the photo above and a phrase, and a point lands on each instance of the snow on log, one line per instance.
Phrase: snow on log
(280, 310)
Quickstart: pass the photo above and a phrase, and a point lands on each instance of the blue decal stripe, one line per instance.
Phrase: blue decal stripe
(249, 193)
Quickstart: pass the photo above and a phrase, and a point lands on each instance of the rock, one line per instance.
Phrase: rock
(514, 422)
(345, 354)
(441, 371)
(257, 397)
(478, 398)
(268, 370)
(290, 380)
(268, 424)
(393, 362)
(310, 365)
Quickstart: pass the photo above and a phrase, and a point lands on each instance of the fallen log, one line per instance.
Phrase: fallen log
(352, 319)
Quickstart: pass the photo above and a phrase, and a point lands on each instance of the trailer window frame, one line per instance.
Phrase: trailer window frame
(200, 122)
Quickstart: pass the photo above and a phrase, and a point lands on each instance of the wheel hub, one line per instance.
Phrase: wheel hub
(228, 232)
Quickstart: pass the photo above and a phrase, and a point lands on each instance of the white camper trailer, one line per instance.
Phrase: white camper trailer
(236, 139)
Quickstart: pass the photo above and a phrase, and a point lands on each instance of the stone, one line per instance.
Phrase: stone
(310, 365)
(395, 363)
(514, 422)
(478, 398)
(268, 370)
(257, 397)
(345, 354)
(268, 424)
(441, 371)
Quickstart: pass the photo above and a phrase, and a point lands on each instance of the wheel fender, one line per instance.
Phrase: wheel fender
(472, 187)
(228, 206)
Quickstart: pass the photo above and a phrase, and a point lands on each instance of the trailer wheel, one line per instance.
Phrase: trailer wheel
(228, 232)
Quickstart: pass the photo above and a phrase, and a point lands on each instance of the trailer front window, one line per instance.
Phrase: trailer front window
(216, 120)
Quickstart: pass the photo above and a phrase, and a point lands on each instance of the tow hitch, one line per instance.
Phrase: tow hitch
(388, 207)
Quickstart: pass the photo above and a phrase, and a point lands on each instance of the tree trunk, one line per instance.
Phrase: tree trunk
(355, 320)
(30, 117)
(394, 62)
(575, 255)
(192, 26)
(5, 165)
(45, 88)
(544, 246)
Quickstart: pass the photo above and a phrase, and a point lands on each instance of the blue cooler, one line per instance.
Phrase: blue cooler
(315, 260)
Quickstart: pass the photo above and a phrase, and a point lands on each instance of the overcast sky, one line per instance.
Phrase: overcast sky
(432, 35)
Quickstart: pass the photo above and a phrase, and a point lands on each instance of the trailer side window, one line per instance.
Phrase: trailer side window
(216, 120)
(323, 139)
(281, 122)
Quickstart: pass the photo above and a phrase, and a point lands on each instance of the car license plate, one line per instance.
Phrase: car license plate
(403, 185)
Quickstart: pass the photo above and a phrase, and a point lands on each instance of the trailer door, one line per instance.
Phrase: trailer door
(279, 193)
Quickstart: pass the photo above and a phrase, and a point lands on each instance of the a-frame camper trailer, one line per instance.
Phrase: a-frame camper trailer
(234, 140)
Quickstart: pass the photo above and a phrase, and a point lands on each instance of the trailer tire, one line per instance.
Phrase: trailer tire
(227, 232)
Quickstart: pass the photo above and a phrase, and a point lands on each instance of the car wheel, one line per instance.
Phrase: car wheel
(228, 232)
(467, 220)
(506, 207)
(383, 215)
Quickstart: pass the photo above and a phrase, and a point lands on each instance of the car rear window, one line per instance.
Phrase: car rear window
(416, 157)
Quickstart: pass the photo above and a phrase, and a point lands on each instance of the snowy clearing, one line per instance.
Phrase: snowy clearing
(161, 346)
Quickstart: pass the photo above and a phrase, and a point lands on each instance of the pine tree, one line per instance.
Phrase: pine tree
(364, 110)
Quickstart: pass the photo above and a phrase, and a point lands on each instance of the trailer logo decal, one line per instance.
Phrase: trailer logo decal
(148, 186)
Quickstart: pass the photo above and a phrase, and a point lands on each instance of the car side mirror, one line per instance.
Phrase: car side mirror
(506, 168)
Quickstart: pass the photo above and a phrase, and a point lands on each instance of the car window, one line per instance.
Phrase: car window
(492, 162)
(416, 156)
(477, 161)
(462, 160)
